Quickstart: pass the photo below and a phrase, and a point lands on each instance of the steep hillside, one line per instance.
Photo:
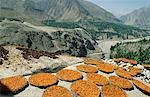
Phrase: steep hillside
(139, 51)
(75, 42)
(102, 30)
(70, 14)
(139, 17)
(68, 10)
(98, 13)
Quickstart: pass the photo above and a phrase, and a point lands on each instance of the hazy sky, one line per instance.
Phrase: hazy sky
(120, 7)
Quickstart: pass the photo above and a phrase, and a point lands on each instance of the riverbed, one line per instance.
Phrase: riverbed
(105, 45)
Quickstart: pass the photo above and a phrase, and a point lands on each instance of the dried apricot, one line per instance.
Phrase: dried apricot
(122, 73)
(57, 91)
(107, 68)
(87, 68)
(93, 62)
(97, 79)
(111, 90)
(85, 89)
(43, 79)
(13, 84)
(143, 87)
(68, 75)
(121, 82)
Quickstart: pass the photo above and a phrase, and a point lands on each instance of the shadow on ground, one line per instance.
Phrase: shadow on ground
(4, 91)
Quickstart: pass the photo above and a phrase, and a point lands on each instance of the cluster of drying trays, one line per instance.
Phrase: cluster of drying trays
(113, 86)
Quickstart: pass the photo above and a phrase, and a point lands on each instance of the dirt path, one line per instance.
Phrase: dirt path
(47, 29)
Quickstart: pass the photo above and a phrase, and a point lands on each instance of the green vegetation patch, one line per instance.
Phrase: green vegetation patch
(97, 28)
(139, 51)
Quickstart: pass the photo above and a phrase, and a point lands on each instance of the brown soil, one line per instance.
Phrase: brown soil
(111, 90)
(57, 91)
(143, 87)
(68, 75)
(97, 79)
(87, 68)
(27, 53)
(85, 89)
(121, 82)
(12, 84)
(42, 80)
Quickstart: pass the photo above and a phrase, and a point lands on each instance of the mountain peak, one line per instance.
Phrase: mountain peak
(68, 10)
(139, 17)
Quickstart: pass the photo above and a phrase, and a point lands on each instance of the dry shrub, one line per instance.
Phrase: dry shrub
(3, 54)
(93, 62)
(121, 82)
(111, 90)
(122, 73)
(87, 68)
(12, 84)
(42, 80)
(107, 68)
(97, 79)
(85, 89)
(143, 87)
(28, 52)
(57, 91)
(68, 75)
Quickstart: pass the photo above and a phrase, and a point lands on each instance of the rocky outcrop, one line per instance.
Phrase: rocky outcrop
(75, 42)
(25, 61)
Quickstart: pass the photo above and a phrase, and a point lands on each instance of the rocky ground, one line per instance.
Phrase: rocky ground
(16, 64)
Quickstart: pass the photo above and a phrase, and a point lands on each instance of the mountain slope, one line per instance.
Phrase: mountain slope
(139, 17)
(102, 30)
(98, 12)
(68, 10)
(75, 42)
